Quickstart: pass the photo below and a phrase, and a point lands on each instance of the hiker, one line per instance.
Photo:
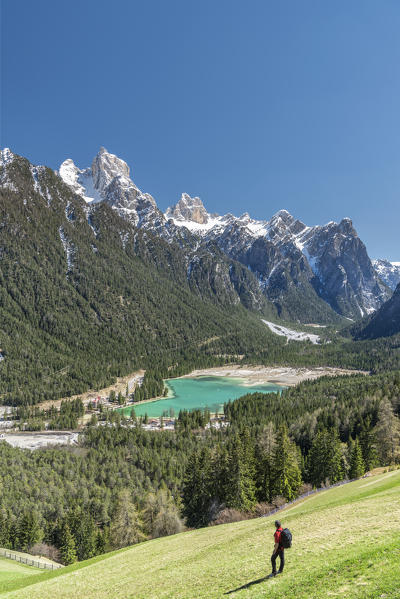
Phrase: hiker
(278, 550)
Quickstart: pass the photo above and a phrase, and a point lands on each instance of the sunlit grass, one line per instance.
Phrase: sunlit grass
(11, 571)
(346, 544)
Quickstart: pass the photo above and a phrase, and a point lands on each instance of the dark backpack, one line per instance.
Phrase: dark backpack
(285, 539)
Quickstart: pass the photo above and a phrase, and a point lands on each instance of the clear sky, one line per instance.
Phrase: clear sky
(252, 105)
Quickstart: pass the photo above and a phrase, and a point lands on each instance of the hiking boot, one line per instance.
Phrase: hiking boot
(272, 574)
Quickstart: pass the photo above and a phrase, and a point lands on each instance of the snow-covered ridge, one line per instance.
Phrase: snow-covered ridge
(290, 334)
(190, 212)
(6, 156)
(80, 181)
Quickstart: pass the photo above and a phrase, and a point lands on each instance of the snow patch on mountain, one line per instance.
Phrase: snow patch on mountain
(68, 248)
(6, 158)
(290, 334)
(80, 181)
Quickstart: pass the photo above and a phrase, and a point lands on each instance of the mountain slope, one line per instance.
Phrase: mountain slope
(386, 321)
(324, 266)
(85, 296)
(327, 557)
(388, 272)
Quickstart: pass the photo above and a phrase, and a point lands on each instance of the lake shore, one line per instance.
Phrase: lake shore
(280, 375)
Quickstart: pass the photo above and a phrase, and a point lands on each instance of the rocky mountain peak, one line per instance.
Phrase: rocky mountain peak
(188, 209)
(346, 227)
(283, 226)
(108, 179)
(105, 167)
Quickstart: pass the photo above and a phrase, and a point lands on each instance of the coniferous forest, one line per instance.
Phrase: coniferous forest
(75, 500)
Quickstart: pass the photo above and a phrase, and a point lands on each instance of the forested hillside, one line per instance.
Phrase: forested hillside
(86, 297)
(321, 431)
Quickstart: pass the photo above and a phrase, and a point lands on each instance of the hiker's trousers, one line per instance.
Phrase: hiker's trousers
(281, 554)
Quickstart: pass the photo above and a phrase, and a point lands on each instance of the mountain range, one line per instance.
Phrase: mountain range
(318, 273)
(96, 281)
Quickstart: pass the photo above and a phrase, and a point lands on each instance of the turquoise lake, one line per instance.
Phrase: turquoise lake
(200, 392)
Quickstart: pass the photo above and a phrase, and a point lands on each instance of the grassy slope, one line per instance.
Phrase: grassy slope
(12, 572)
(346, 544)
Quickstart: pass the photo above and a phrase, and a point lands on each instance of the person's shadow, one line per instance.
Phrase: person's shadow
(249, 584)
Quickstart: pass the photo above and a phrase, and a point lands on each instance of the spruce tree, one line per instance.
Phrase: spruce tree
(265, 458)
(29, 531)
(68, 547)
(4, 529)
(324, 460)
(286, 467)
(241, 485)
(368, 445)
(198, 488)
(357, 467)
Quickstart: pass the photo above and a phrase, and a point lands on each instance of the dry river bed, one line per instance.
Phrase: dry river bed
(288, 376)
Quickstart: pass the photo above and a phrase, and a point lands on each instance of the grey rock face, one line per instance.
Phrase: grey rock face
(188, 209)
(386, 321)
(108, 179)
(345, 275)
(388, 272)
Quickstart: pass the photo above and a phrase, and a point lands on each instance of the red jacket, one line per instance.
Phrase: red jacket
(277, 536)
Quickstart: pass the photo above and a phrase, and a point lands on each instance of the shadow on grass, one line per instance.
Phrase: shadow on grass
(249, 584)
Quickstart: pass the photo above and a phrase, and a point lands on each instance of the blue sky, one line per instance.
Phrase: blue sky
(254, 106)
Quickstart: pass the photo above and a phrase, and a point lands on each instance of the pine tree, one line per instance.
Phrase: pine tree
(265, 458)
(324, 461)
(68, 547)
(4, 529)
(286, 468)
(29, 531)
(241, 486)
(198, 488)
(368, 445)
(357, 467)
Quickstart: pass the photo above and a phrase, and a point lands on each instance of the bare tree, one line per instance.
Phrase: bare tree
(126, 527)
(388, 433)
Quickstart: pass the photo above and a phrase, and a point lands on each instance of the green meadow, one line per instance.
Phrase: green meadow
(13, 572)
(346, 543)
